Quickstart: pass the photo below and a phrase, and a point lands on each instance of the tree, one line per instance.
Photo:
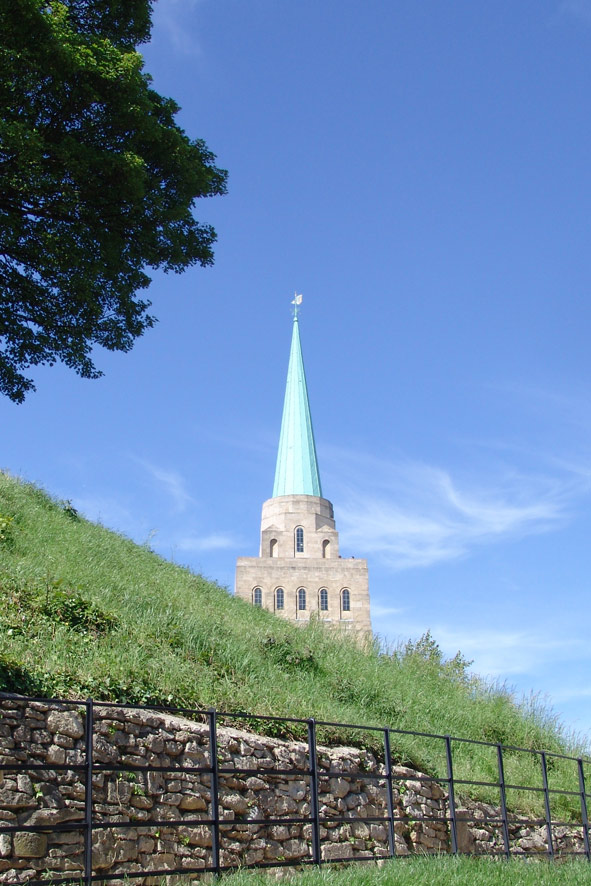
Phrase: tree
(97, 184)
(427, 651)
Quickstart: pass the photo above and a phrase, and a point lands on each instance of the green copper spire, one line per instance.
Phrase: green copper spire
(297, 467)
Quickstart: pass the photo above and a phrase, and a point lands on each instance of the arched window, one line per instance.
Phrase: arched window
(326, 548)
(257, 597)
(273, 547)
(323, 601)
(345, 600)
(301, 598)
(299, 540)
(279, 598)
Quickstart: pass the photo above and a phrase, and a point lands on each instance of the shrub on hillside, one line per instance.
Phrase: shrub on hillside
(27, 608)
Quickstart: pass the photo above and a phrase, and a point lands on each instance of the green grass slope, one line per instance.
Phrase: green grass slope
(431, 871)
(85, 611)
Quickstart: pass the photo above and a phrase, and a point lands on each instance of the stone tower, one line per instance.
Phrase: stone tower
(299, 573)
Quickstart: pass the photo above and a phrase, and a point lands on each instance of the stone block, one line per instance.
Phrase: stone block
(297, 790)
(50, 816)
(279, 832)
(15, 800)
(126, 850)
(30, 845)
(360, 830)
(378, 833)
(104, 752)
(56, 755)
(155, 743)
(331, 851)
(173, 785)
(285, 806)
(139, 801)
(103, 845)
(24, 784)
(155, 783)
(235, 802)
(173, 748)
(339, 787)
(190, 802)
(200, 836)
(22, 734)
(295, 849)
(535, 843)
(65, 723)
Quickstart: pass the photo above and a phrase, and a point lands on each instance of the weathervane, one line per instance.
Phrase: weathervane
(296, 302)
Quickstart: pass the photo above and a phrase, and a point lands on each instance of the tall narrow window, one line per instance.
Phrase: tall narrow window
(323, 600)
(301, 598)
(273, 547)
(279, 598)
(326, 548)
(257, 597)
(299, 540)
(345, 600)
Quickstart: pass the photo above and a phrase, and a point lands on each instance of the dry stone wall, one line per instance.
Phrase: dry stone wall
(34, 732)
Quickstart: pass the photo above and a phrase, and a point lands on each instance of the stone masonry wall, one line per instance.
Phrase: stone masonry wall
(33, 732)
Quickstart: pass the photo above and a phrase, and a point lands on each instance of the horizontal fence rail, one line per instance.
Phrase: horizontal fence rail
(91, 818)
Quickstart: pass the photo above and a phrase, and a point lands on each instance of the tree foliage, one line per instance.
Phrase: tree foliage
(427, 651)
(97, 184)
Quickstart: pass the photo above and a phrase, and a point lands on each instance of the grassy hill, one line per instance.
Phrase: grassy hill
(85, 611)
(432, 871)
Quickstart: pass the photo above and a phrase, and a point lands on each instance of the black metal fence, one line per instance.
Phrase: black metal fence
(89, 823)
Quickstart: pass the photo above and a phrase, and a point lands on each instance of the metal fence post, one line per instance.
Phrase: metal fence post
(503, 793)
(547, 804)
(452, 799)
(214, 791)
(88, 793)
(388, 759)
(314, 805)
(584, 815)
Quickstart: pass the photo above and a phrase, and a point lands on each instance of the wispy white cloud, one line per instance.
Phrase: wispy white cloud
(105, 510)
(173, 23)
(498, 653)
(378, 610)
(171, 482)
(571, 693)
(410, 514)
(567, 408)
(580, 9)
(495, 652)
(212, 542)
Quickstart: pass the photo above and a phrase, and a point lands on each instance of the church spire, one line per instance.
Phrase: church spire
(297, 466)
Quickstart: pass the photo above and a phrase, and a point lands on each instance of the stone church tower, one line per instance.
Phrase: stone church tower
(299, 573)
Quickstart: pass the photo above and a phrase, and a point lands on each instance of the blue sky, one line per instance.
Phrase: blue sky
(420, 172)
